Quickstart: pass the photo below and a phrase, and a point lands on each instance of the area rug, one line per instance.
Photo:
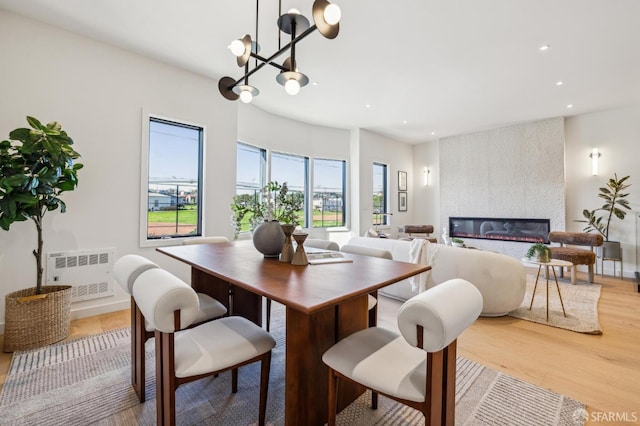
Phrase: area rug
(87, 381)
(580, 304)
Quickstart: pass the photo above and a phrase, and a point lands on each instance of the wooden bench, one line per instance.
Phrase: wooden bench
(575, 255)
(425, 230)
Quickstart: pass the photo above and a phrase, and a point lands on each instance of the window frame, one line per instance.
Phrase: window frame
(306, 185)
(144, 240)
(264, 160)
(344, 193)
(385, 194)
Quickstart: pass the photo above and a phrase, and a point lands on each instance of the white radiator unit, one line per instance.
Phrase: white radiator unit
(88, 271)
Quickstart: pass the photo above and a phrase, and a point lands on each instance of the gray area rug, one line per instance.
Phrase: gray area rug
(580, 304)
(87, 381)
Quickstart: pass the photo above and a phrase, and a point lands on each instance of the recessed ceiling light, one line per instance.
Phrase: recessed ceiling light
(570, 106)
(367, 106)
(544, 47)
(559, 83)
(433, 133)
(404, 121)
(315, 83)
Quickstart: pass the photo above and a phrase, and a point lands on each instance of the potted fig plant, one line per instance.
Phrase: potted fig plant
(36, 167)
(616, 205)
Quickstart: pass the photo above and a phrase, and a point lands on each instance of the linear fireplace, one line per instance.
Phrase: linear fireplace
(523, 230)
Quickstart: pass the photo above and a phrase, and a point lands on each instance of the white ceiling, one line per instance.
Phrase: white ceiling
(446, 67)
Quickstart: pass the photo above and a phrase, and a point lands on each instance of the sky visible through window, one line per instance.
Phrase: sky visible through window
(173, 152)
(174, 173)
(249, 169)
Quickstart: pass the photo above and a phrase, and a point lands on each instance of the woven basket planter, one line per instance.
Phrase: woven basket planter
(32, 321)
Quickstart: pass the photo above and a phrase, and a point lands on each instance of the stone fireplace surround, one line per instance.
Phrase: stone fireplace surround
(510, 172)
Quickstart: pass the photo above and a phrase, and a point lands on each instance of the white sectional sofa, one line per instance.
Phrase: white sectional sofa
(501, 279)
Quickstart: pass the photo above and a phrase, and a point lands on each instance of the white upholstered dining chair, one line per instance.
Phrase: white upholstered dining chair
(374, 252)
(187, 354)
(126, 270)
(416, 367)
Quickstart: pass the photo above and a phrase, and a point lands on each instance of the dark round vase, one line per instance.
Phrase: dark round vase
(268, 238)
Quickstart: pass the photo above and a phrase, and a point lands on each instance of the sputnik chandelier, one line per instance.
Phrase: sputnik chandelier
(326, 18)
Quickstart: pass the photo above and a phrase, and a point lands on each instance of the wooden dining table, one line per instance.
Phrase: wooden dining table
(324, 303)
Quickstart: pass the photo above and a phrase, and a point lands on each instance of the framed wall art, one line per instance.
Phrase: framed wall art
(402, 201)
(402, 181)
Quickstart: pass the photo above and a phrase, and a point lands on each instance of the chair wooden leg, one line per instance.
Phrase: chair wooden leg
(268, 314)
(165, 380)
(373, 312)
(264, 387)
(374, 400)
(332, 397)
(134, 331)
(591, 273)
(434, 401)
(138, 354)
(234, 380)
(449, 385)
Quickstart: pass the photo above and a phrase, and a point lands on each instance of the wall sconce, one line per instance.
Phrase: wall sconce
(425, 177)
(594, 161)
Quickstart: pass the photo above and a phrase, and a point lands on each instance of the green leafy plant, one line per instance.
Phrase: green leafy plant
(457, 240)
(615, 202)
(275, 202)
(36, 166)
(539, 250)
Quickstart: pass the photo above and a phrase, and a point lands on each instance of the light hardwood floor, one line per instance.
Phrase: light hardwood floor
(601, 371)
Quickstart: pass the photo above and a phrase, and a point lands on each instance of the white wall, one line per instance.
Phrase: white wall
(616, 134)
(97, 93)
(516, 171)
(399, 157)
(426, 200)
(266, 130)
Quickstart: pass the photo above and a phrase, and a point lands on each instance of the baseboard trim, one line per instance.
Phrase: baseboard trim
(92, 311)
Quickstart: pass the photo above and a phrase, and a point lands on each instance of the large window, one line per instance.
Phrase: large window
(293, 170)
(174, 180)
(328, 193)
(256, 166)
(380, 194)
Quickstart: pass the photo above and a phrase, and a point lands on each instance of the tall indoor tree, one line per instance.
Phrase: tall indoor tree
(36, 167)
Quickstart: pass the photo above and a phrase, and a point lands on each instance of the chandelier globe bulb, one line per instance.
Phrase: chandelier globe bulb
(292, 87)
(246, 96)
(237, 47)
(332, 14)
